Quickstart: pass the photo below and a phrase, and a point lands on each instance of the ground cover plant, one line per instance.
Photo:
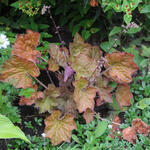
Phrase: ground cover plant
(81, 95)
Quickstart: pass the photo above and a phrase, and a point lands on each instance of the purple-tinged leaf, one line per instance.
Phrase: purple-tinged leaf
(68, 72)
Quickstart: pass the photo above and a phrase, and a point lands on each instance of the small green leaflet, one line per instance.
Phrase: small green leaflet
(134, 30)
(8, 130)
(145, 51)
(145, 102)
(75, 138)
(15, 4)
(86, 34)
(26, 92)
(127, 18)
(144, 63)
(146, 8)
(101, 128)
(115, 30)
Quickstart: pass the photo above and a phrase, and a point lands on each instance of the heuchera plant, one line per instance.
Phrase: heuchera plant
(82, 85)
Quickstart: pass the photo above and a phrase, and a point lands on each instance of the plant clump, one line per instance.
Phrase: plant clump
(82, 85)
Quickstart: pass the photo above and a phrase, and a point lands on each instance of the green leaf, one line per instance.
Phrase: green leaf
(76, 29)
(94, 30)
(127, 18)
(45, 44)
(86, 34)
(106, 46)
(118, 8)
(113, 84)
(115, 30)
(145, 51)
(53, 2)
(15, 4)
(8, 130)
(146, 8)
(10, 34)
(43, 26)
(145, 102)
(136, 4)
(109, 7)
(34, 26)
(133, 30)
(148, 15)
(26, 92)
(124, 5)
(115, 105)
(41, 66)
(113, 42)
(45, 35)
(5, 20)
(119, 1)
(144, 63)
(87, 23)
(101, 128)
(76, 139)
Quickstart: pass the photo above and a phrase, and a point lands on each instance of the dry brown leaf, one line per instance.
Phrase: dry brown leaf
(85, 98)
(88, 115)
(48, 103)
(84, 66)
(78, 46)
(140, 126)
(104, 91)
(67, 105)
(121, 66)
(52, 65)
(58, 55)
(59, 129)
(123, 95)
(95, 53)
(25, 45)
(16, 71)
(129, 134)
(81, 83)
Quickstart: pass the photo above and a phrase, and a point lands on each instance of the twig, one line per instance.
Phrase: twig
(43, 59)
(99, 75)
(92, 74)
(58, 33)
(47, 71)
(109, 121)
(102, 61)
(49, 76)
(40, 83)
(105, 71)
(61, 145)
(99, 66)
(97, 115)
